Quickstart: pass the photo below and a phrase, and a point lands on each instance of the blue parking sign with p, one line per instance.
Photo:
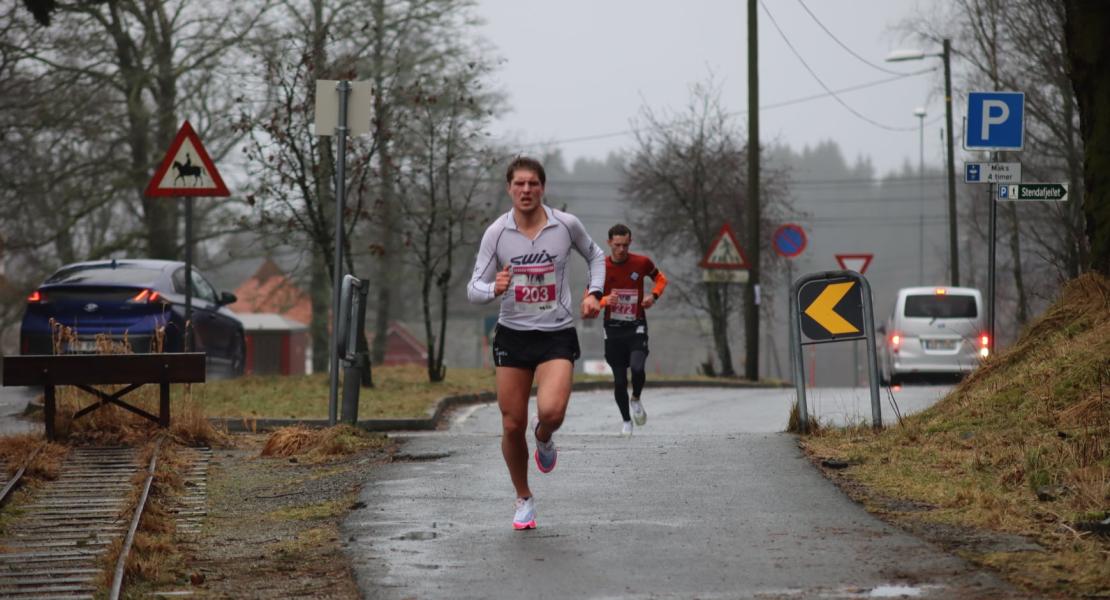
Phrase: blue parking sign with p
(995, 121)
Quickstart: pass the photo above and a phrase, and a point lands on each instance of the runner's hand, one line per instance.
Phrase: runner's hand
(502, 282)
(614, 299)
(648, 301)
(591, 307)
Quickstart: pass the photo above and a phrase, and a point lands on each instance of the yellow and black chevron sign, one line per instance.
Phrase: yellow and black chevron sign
(831, 310)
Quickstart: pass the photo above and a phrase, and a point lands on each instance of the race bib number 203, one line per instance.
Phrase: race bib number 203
(534, 287)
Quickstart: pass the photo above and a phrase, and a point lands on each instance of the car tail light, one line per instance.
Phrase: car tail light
(146, 297)
(36, 297)
(984, 345)
(895, 341)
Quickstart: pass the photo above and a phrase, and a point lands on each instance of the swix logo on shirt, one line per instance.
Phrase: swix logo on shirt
(532, 259)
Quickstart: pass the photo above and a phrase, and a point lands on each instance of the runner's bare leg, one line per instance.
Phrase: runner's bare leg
(514, 386)
(553, 381)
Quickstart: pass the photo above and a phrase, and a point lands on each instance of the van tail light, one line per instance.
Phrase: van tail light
(36, 297)
(146, 296)
(895, 341)
(984, 345)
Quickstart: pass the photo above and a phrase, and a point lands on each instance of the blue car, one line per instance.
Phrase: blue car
(133, 299)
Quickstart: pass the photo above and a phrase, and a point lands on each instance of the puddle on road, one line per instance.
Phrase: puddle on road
(895, 591)
(881, 591)
(417, 535)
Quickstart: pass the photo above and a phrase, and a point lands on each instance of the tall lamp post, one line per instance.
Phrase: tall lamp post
(919, 112)
(945, 55)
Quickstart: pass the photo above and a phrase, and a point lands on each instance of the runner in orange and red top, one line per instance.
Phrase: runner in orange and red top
(626, 335)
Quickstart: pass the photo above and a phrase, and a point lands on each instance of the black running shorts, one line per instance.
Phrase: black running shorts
(622, 341)
(527, 349)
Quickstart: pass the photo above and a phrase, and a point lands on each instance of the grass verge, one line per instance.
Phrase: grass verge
(398, 392)
(1020, 447)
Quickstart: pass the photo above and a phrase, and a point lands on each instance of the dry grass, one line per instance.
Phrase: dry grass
(1020, 447)
(794, 422)
(15, 450)
(320, 444)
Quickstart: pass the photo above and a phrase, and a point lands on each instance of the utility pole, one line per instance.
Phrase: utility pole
(953, 244)
(751, 300)
(919, 112)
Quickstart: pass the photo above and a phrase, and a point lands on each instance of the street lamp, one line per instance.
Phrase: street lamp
(919, 112)
(945, 54)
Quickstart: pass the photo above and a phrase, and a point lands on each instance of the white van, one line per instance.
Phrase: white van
(933, 332)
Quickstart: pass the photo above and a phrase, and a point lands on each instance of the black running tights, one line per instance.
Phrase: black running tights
(637, 359)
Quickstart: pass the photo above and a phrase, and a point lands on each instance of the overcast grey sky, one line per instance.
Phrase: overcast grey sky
(582, 68)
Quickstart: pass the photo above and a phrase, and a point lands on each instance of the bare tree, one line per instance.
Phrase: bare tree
(1019, 45)
(146, 63)
(445, 175)
(686, 178)
(392, 43)
(91, 104)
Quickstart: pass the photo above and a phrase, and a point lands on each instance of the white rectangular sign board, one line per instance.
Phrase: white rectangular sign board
(360, 104)
(724, 275)
(1002, 172)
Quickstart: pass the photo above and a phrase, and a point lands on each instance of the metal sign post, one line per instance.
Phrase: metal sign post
(188, 274)
(832, 306)
(995, 121)
(358, 96)
(179, 176)
(344, 88)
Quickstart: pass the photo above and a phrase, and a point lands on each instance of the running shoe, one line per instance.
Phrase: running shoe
(638, 413)
(525, 517)
(546, 454)
(626, 429)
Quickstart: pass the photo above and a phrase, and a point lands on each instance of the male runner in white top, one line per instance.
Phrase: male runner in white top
(525, 253)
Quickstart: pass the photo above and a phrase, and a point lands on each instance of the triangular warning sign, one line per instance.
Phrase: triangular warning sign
(854, 262)
(187, 170)
(724, 252)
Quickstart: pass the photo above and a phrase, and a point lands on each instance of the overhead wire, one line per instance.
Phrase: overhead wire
(842, 44)
(771, 106)
(821, 82)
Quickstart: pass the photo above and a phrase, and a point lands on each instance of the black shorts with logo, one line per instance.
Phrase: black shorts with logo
(624, 339)
(527, 349)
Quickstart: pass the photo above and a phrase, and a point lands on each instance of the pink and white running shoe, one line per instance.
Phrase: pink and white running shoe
(546, 453)
(525, 517)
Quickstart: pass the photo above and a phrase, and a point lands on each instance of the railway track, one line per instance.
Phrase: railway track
(10, 484)
(54, 546)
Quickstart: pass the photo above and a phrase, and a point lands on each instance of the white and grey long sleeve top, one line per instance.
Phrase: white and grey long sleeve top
(539, 295)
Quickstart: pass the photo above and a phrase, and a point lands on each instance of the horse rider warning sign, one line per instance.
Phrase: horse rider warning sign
(187, 170)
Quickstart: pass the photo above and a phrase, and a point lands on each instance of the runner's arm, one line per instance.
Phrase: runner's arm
(660, 283)
(480, 288)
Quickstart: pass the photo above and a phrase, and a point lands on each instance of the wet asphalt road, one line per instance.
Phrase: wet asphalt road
(707, 500)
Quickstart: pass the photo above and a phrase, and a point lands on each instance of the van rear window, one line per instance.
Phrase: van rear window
(941, 306)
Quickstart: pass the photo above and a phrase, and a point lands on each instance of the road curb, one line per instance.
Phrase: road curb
(437, 416)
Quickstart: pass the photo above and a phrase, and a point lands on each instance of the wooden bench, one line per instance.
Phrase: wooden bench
(86, 370)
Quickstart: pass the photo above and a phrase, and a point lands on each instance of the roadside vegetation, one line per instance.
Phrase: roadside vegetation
(398, 392)
(1020, 448)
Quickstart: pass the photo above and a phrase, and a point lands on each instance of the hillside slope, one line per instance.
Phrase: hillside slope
(1012, 468)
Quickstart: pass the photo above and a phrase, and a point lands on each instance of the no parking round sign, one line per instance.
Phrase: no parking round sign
(789, 240)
